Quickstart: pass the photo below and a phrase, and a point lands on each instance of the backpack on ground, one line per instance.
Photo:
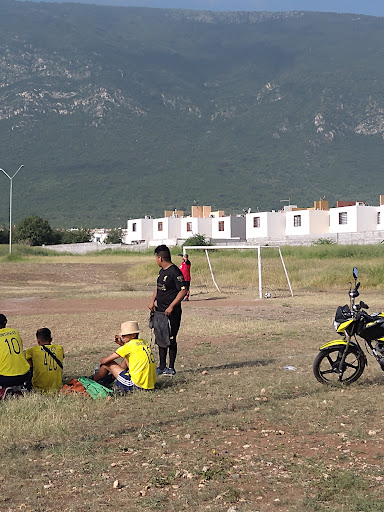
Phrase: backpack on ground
(94, 389)
(84, 386)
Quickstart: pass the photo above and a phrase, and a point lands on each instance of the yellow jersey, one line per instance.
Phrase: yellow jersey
(12, 360)
(47, 374)
(141, 362)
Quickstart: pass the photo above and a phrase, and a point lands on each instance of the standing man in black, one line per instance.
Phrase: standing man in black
(167, 297)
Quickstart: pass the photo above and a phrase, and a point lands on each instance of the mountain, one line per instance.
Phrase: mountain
(118, 112)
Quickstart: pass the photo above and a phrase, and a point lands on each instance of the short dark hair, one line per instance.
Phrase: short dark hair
(44, 334)
(163, 252)
(3, 320)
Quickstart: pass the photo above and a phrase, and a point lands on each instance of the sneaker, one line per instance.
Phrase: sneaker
(161, 372)
(171, 372)
(5, 393)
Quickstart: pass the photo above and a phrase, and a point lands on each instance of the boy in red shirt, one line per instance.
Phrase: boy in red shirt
(185, 268)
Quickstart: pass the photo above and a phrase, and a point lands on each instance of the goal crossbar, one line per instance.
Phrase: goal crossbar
(207, 248)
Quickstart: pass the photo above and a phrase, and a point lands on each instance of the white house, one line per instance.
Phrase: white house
(306, 222)
(166, 228)
(196, 226)
(353, 219)
(228, 228)
(138, 231)
(265, 224)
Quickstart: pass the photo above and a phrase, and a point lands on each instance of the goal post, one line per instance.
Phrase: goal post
(207, 248)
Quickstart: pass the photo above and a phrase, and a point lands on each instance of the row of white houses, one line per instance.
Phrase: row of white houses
(259, 226)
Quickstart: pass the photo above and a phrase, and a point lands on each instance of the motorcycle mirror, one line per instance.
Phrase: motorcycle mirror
(355, 273)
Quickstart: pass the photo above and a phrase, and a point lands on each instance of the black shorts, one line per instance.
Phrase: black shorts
(16, 380)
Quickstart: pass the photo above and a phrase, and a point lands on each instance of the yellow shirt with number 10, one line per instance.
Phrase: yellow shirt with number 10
(12, 360)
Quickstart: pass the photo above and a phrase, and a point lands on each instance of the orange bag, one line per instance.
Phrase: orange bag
(74, 387)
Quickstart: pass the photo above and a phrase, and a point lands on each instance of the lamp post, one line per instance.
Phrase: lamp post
(10, 203)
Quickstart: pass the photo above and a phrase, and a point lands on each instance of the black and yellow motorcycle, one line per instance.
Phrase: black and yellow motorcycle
(343, 360)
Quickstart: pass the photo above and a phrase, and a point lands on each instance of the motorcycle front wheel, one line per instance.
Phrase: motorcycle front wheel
(326, 366)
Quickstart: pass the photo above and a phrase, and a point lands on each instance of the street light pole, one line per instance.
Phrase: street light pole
(10, 204)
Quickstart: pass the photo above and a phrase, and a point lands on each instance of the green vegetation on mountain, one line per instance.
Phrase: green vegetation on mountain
(120, 112)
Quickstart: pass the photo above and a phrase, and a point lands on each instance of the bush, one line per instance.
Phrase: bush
(323, 241)
(75, 236)
(114, 236)
(4, 236)
(34, 231)
(197, 240)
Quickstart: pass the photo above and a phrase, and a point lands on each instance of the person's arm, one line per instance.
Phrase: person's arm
(151, 305)
(28, 357)
(179, 297)
(109, 359)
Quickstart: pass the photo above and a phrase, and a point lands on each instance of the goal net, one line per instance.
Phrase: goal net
(207, 248)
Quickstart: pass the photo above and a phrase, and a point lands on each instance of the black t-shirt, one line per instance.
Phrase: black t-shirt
(169, 283)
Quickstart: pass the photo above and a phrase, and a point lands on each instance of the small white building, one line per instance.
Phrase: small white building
(353, 219)
(380, 218)
(306, 222)
(228, 228)
(191, 226)
(166, 228)
(265, 224)
(138, 231)
(99, 235)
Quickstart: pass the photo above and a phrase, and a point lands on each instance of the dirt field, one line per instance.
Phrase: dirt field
(233, 431)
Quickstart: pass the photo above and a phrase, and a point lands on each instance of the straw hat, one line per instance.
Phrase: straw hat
(129, 328)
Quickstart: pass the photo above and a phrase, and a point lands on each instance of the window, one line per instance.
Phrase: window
(297, 221)
(343, 218)
(221, 225)
(189, 226)
(134, 226)
(256, 222)
(379, 217)
(159, 226)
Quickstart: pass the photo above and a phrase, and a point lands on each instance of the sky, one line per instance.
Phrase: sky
(371, 7)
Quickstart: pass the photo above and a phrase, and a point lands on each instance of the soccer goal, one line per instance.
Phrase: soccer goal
(207, 248)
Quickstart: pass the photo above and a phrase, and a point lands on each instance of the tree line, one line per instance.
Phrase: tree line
(36, 231)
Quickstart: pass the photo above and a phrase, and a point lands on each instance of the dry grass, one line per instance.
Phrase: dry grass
(233, 431)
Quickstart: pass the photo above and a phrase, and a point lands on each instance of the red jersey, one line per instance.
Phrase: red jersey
(185, 268)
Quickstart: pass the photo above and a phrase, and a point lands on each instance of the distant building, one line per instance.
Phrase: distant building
(353, 219)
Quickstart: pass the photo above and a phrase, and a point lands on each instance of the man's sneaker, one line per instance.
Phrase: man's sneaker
(161, 372)
(170, 372)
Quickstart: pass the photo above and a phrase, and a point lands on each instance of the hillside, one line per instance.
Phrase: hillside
(120, 112)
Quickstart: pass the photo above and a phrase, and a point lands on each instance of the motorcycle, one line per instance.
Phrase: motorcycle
(343, 360)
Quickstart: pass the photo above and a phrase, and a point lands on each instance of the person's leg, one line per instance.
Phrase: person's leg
(112, 368)
(188, 284)
(101, 373)
(175, 320)
(162, 358)
(172, 353)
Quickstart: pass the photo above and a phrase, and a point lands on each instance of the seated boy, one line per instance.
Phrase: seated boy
(138, 368)
(14, 369)
(46, 360)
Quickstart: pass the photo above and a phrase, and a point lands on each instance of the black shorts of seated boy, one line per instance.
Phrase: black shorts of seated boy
(137, 371)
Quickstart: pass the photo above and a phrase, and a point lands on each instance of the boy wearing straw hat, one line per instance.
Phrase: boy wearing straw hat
(138, 368)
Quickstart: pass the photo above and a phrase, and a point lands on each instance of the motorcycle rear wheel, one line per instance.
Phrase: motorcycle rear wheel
(327, 362)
